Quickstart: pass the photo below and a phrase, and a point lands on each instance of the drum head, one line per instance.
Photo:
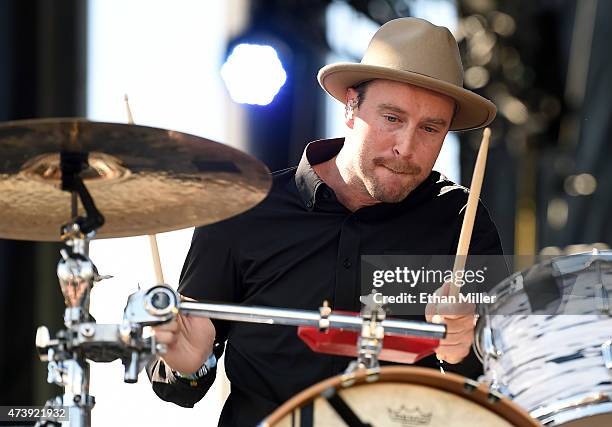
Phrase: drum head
(403, 396)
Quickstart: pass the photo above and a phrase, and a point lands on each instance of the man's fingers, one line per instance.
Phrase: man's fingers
(459, 320)
(454, 324)
(166, 333)
(458, 324)
(456, 309)
(455, 340)
(456, 332)
(165, 337)
(171, 326)
(459, 337)
(449, 310)
(443, 291)
(460, 317)
(430, 311)
(459, 331)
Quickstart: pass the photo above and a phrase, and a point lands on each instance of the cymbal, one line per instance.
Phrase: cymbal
(143, 180)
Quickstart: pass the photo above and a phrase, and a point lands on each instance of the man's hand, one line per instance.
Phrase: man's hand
(189, 341)
(460, 321)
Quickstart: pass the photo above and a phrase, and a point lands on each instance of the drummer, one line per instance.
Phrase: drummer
(372, 192)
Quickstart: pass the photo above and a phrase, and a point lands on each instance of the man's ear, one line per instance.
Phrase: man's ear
(350, 106)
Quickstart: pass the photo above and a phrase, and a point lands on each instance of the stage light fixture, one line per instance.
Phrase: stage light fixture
(253, 74)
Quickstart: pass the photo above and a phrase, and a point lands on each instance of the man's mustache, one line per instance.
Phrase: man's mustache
(399, 167)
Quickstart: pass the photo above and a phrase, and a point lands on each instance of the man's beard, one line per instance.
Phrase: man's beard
(379, 190)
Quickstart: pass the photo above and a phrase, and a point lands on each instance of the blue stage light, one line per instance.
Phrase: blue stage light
(253, 74)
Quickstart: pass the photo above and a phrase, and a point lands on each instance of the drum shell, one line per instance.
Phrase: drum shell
(553, 362)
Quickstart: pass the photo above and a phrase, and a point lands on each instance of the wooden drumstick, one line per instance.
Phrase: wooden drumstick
(128, 109)
(470, 211)
(159, 275)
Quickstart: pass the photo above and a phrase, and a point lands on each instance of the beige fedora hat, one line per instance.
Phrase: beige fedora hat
(414, 51)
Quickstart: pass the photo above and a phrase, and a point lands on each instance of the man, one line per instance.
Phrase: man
(372, 193)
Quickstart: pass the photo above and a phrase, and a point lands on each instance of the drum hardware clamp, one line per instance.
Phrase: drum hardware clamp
(324, 311)
(490, 348)
(606, 351)
(596, 256)
(603, 299)
(369, 343)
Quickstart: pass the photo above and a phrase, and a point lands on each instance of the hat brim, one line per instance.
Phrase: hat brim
(473, 111)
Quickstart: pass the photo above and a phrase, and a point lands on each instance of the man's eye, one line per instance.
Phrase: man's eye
(392, 119)
(429, 129)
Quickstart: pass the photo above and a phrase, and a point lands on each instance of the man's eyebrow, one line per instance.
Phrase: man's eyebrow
(391, 107)
(396, 109)
(435, 120)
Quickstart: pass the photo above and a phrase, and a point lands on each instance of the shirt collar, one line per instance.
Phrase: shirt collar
(308, 182)
(306, 178)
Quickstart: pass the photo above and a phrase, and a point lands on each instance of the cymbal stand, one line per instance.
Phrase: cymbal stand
(160, 304)
(76, 272)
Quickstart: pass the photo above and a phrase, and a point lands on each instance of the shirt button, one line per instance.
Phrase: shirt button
(326, 194)
(309, 204)
(346, 263)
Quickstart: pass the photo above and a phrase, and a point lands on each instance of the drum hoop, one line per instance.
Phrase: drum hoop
(579, 401)
(477, 346)
(455, 384)
(582, 413)
(602, 256)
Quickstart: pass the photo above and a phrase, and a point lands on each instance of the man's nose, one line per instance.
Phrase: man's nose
(405, 144)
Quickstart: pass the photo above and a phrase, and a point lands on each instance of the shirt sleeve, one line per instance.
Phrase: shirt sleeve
(209, 273)
(181, 391)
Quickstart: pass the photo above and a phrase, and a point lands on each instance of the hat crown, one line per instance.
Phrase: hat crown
(416, 52)
(415, 45)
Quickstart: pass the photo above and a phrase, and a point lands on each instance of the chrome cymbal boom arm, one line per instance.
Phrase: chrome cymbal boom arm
(295, 317)
(159, 304)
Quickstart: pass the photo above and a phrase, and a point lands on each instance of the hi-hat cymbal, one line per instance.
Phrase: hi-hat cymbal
(143, 180)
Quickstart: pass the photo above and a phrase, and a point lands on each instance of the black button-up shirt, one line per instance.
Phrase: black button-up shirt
(297, 248)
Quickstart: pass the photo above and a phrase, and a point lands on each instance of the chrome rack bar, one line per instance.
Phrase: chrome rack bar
(295, 317)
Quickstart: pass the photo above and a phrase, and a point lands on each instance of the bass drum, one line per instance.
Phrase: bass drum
(401, 396)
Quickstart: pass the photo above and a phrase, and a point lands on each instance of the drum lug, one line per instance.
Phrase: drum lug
(602, 300)
(602, 296)
(499, 388)
(470, 385)
(495, 396)
(606, 351)
(489, 343)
